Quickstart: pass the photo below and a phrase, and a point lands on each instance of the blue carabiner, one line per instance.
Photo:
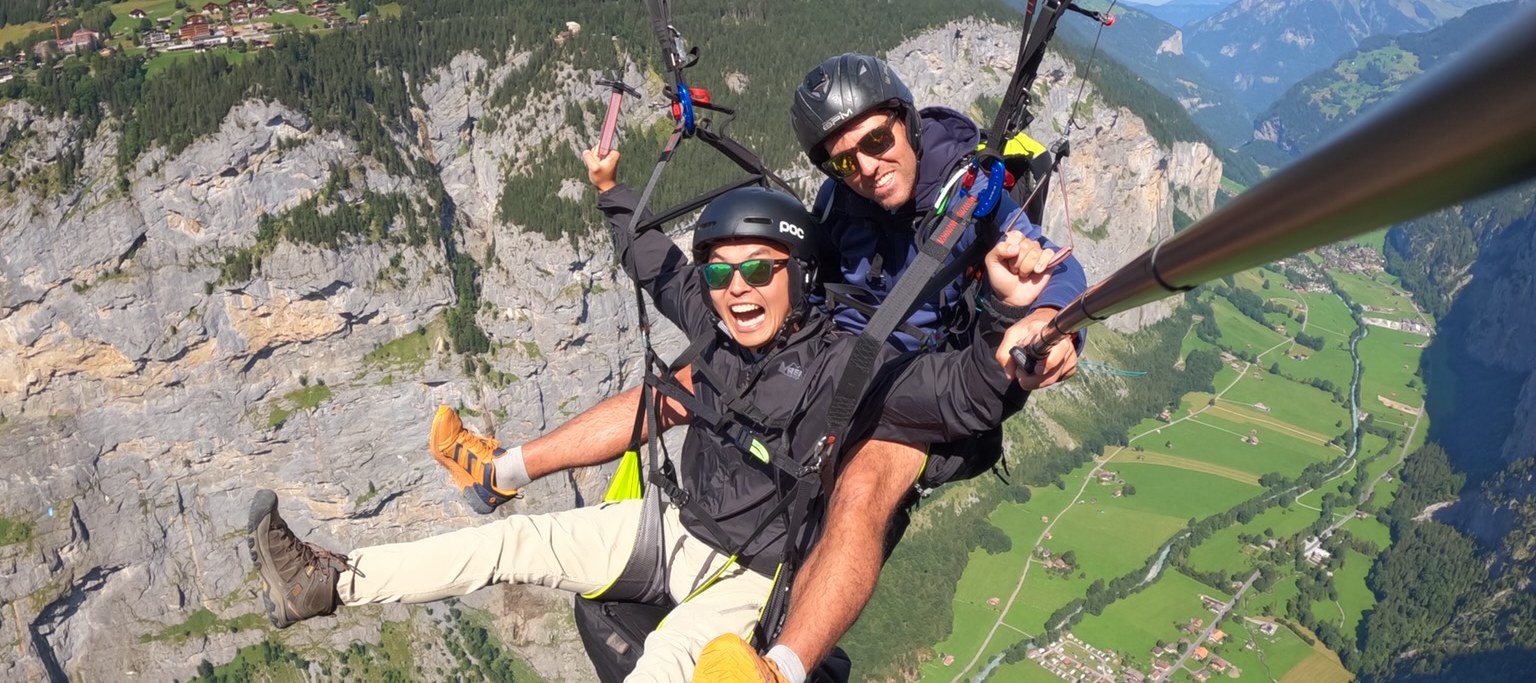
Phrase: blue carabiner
(987, 200)
(685, 102)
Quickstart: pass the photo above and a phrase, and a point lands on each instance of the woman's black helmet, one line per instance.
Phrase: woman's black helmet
(842, 89)
(767, 214)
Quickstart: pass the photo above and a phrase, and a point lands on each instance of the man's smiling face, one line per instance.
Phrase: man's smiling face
(887, 178)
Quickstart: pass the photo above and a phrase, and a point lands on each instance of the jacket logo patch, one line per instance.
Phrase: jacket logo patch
(791, 370)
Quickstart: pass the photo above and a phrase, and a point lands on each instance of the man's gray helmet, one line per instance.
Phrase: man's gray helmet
(842, 89)
(767, 214)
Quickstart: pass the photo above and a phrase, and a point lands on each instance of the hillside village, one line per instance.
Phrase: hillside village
(173, 26)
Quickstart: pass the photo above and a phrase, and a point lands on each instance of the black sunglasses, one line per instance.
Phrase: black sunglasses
(877, 141)
(756, 272)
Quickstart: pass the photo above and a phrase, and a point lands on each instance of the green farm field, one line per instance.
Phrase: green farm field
(1214, 438)
(1379, 294)
(16, 32)
(159, 63)
(1329, 315)
(1354, 596)
(1292, 402)
(1391, 362)
(1178, 462)
(1333, 363)
(153, 8)
(1111, 539)
(1175, 493)
(1241, 333)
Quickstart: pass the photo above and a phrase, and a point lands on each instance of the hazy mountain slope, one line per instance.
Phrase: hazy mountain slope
(1262, 47)
(1154, 49)
(1180, 12)
(1323, 102)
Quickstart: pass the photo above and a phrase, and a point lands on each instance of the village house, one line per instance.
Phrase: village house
(1201, 653)
(211, 8)
(1106, 477)
(137, 14)
(1314, 552)
(287, 8)
(81, 41)
(1217, 636)
(193, 31)
(1218, 664)
(1202, 676)
(5, 73)
(1261, 407)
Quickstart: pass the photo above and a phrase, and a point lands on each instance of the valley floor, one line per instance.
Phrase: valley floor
(1208, 613)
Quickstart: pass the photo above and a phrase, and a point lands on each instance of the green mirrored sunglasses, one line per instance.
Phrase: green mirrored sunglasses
(756, 272)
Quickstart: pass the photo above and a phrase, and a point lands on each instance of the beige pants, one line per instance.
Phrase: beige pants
(577, 550)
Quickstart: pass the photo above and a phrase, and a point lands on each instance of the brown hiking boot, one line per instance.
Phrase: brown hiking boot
(298, 579)
(469, 459)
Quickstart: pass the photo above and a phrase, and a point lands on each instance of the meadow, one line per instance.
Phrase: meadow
(1391, 362)
(1191, 468)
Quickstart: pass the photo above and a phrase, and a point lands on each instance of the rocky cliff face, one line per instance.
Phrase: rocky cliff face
(1120, 185)
(1481, 377)
(143, 397)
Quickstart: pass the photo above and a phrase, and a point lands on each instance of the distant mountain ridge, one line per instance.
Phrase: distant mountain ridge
(1323, 102)
(1261, 47)
(1154, 49)
(1180, 12)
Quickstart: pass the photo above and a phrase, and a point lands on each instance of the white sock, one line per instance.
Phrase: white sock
(789, 663)
(511, 473)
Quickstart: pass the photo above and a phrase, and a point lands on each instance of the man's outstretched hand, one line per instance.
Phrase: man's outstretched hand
(601, 170)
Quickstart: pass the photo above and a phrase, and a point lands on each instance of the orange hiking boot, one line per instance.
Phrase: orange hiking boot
(469, 459)
(729, 659)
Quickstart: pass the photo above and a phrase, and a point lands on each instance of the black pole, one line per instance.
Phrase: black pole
(1465, 130)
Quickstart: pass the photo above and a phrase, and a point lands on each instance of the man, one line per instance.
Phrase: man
(749, 296)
